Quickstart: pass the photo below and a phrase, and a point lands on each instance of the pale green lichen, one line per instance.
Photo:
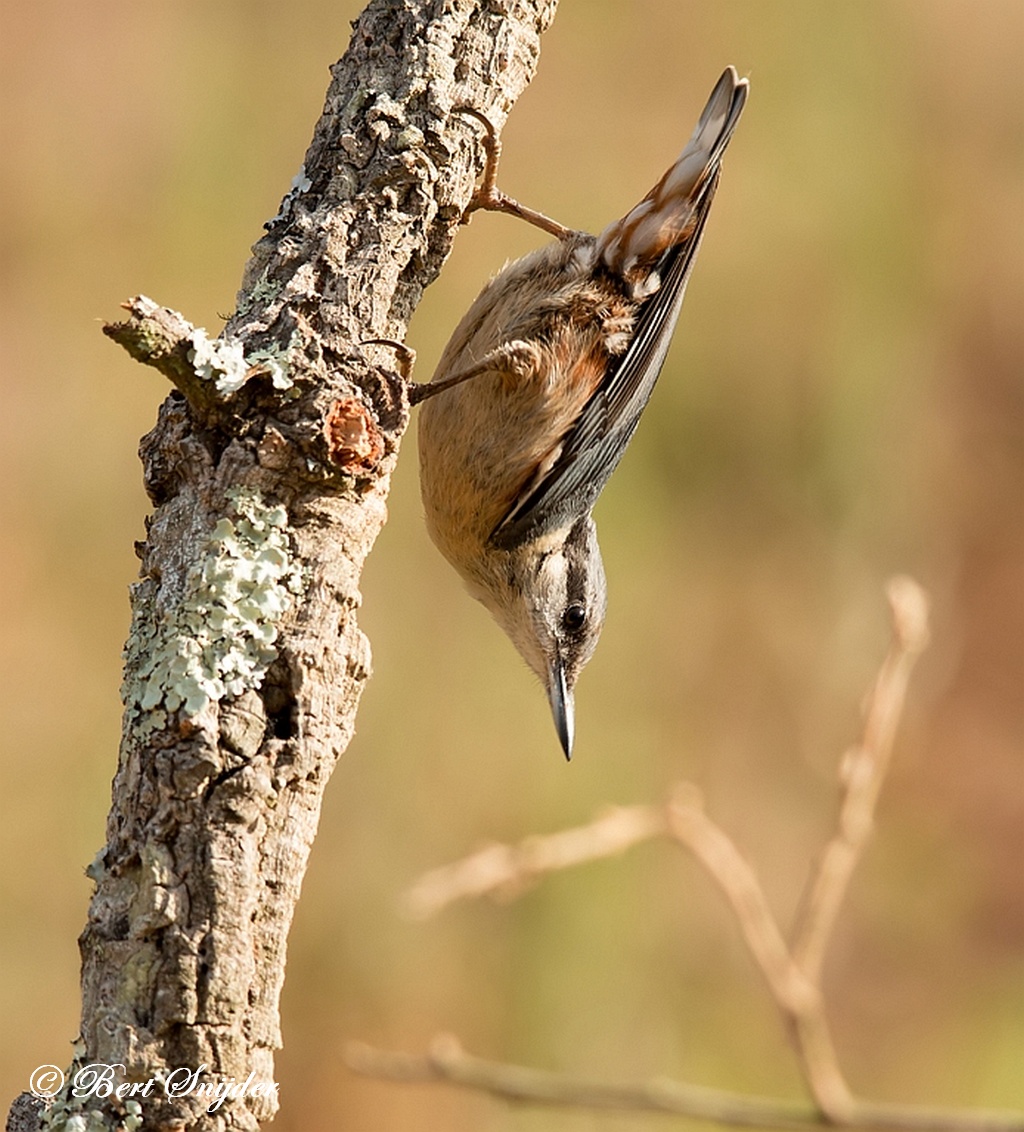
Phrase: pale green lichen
(62, 1117)
(224, 362)
(219, 640)
(73, 1113)
(263, 291)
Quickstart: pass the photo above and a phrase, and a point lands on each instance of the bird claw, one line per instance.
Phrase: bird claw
(405, 356)
(490, 198)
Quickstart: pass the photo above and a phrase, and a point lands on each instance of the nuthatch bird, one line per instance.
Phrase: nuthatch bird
(540, 390)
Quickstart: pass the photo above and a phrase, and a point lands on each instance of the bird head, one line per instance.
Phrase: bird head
(549, 595)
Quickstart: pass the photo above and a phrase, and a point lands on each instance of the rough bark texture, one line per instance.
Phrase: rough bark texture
(268, 469)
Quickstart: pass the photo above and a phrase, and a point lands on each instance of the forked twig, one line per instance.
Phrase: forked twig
(797, 995)
(792, 971)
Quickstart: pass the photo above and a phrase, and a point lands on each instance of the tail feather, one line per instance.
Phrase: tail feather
(633, 246)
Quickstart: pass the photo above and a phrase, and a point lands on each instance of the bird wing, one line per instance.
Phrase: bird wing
(659, 235)
(592, 448)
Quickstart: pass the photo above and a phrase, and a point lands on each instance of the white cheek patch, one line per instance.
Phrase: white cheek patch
(549, 589)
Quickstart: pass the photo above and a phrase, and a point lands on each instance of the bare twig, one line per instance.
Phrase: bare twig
(447, 1062)
(862, 773)
(792, 971)
(507, 870)
(691, 827)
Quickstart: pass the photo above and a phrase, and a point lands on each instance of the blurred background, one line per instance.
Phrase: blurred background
(845, 400)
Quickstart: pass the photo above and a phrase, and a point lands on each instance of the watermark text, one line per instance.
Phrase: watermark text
(105, 1082)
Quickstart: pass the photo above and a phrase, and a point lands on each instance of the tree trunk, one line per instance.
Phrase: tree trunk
(269, 469)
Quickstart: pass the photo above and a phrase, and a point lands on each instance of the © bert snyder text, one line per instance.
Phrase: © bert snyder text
(105, 1081)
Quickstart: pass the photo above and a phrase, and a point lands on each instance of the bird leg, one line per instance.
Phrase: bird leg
(489, 197)
(516, 359)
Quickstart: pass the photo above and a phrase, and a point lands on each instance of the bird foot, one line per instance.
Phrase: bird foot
(490, 198)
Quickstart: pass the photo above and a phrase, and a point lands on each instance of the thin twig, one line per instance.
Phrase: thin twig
(508, 870)
(446, 1061)
(862, 773)
(692, 828)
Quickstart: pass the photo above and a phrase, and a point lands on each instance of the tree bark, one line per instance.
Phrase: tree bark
(269, 469)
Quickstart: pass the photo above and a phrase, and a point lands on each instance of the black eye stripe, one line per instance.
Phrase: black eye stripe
(541, 561)
(577, 559)
(576, 584)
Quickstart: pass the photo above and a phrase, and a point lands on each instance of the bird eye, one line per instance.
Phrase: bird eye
(574, 617)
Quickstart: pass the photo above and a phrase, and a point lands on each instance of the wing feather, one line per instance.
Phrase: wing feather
(595, 444)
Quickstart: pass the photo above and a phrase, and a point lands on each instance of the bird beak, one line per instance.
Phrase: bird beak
(560, 695)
